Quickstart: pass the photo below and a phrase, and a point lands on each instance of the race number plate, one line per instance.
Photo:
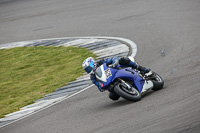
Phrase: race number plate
(108, 73)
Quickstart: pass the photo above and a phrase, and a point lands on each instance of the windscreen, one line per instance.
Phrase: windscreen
(98, 72)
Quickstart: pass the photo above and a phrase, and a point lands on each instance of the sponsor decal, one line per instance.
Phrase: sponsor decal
(108, 73)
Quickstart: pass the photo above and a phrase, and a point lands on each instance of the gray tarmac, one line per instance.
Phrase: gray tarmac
(167, 33)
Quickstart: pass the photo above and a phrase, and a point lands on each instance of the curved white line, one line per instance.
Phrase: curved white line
(48, 106)
(132, 46)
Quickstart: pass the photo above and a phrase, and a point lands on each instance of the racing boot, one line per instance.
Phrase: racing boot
(143, 69)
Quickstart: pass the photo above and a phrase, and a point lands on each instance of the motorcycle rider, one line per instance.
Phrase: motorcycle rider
(90, 65)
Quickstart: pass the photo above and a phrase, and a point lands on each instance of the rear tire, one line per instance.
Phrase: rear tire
(158, 82)
(128, 96)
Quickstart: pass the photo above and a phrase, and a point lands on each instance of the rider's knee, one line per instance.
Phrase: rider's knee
(113, 96)
(124, 61)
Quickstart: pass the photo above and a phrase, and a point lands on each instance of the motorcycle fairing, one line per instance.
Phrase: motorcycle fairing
(130, 74)
(112, 74)
(107, 75)
(101, 74)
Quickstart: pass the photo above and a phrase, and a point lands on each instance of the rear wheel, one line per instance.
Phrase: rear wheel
(131, 94)
(158, 82)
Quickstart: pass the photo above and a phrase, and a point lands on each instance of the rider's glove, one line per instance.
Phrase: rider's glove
(94, 81)
(93, 78)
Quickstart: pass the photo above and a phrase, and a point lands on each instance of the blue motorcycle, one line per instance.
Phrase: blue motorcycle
(126, 82)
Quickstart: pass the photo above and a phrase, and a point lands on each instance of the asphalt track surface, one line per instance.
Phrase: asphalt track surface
(169, 25)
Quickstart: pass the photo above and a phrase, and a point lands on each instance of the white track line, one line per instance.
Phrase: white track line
(129, 43)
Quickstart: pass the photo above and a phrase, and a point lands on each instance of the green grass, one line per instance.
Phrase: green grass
(29, 73)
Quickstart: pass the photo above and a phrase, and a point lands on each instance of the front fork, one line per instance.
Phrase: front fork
(126, 86)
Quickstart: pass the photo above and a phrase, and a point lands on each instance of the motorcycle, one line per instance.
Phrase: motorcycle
(126, 82)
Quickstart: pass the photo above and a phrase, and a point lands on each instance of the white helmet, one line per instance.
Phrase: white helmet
(88, 64)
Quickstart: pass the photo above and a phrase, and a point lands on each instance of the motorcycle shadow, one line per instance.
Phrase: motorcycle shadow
(148, 93)
(123, 102)
(117, 104)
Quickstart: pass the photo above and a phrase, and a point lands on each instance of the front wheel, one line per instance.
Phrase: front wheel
(128, 94)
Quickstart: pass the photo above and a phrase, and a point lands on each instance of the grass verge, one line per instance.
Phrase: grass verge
(29, 73)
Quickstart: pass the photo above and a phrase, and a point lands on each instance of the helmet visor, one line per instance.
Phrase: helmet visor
(90, 67)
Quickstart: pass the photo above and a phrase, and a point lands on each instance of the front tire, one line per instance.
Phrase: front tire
(133, 95)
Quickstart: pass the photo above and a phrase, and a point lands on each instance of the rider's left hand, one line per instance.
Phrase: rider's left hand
(92, 77)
